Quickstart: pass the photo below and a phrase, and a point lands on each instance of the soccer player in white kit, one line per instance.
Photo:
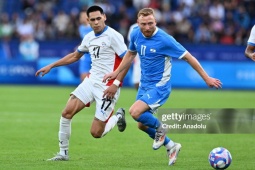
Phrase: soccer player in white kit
(106, 48)
(250, 49)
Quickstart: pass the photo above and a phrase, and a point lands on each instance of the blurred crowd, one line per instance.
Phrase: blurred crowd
(189, 21)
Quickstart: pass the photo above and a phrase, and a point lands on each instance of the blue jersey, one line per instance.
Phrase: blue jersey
(85, 61)
(156, 53)
(83, 30)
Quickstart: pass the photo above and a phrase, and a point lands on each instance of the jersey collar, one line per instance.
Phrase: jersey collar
(105, 28)
(156, 30)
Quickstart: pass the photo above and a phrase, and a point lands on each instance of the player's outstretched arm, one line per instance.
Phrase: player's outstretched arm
(210, 81)
(249, 52)
(68, 59)
(43, 70)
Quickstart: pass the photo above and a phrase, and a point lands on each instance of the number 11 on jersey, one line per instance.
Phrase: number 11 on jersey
(143, 47)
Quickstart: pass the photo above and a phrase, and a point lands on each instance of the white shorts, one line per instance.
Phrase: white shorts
(136, 70)
(89, 91)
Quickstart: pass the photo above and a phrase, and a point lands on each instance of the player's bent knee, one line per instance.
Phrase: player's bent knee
(134, 113)
(66, 114)
(96, 134)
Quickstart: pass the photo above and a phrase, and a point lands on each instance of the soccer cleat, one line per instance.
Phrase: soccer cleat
(159, 138)
(173, 153)
(59, 157)
(121, 123)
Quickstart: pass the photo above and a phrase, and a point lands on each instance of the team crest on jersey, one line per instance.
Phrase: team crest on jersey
(103, 44)
(152, 50)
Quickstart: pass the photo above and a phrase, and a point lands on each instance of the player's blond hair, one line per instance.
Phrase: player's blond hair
(146, 12)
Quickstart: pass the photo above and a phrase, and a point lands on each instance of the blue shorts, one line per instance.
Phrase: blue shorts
(154, 97)
(85, 64)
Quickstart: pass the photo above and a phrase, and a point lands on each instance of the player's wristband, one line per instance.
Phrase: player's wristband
(116, 82)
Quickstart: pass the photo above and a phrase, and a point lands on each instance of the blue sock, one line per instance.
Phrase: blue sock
(151, 132)
(149, 120)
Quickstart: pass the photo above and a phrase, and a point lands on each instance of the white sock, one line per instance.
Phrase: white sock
(110, 124)
(64, 135)
(169, 145)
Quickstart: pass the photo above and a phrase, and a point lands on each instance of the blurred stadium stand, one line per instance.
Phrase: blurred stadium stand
(214, 31)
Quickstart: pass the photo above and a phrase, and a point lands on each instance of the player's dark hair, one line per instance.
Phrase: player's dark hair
(95, 8)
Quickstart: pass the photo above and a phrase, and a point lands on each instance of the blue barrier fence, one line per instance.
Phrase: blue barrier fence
(227, 63)
(240, 75)
(202, 52)
(234, 75)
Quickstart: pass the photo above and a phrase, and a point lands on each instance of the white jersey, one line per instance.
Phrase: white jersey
(251, 40)
(106, 50)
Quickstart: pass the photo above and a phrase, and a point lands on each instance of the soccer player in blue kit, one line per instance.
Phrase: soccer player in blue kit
(156, 49)
(85, 61)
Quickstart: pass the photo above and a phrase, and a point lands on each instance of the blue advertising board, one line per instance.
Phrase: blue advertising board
(23, 72)
(226, 63)
(237, 75)
(17, 72)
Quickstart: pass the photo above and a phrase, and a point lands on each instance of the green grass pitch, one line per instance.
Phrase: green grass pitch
(29, 120)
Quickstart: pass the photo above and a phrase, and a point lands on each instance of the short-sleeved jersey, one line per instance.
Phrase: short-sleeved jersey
(251, 40)
(106, 50)
(156, 53)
